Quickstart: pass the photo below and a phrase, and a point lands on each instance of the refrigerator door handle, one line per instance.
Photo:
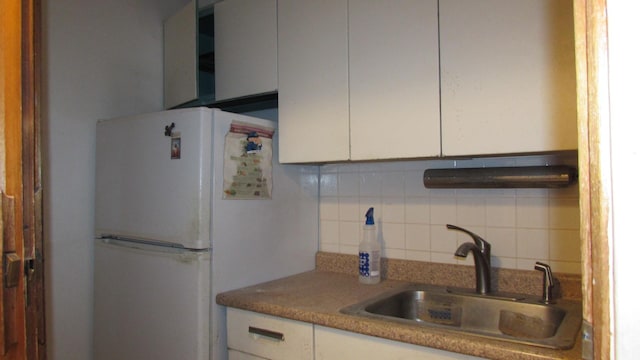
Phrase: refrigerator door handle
(153, 246)
(108, 238)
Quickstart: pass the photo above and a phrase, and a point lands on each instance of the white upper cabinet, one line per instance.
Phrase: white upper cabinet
(313, 89)
(394, 79)
(358, 80)
(180, 57)
(379, 79)
(245, 48)
(241, 60)
(508, 76)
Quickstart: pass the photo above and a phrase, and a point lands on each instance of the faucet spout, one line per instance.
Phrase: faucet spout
(481, 251)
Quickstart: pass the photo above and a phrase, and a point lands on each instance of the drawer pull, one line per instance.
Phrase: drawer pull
(266, 333)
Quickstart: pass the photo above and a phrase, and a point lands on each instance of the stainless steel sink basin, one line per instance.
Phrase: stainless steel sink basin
(514, 318)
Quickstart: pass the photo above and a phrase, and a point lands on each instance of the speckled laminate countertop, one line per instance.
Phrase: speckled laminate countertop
(317, 297)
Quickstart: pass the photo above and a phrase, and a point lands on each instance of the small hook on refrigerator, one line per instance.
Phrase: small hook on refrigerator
(168, 130)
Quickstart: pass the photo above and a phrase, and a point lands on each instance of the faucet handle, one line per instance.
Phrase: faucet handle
(547, 282)
(484, 245)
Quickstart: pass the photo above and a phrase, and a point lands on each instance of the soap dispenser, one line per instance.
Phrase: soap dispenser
(369, 251)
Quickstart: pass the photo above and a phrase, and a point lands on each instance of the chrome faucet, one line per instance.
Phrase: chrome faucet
(547, 282)
(481, 250)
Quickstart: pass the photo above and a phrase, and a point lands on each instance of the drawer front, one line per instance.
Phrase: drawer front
(237, 355)
(269, 336)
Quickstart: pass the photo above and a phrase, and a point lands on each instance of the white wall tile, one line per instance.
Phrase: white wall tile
(443, 239)
(393, 210)
(329, 232)
(533, 244)
(329, 209)
(394, 253)
(564, 213)
(416, 210)
(348, 184)
(417, 237)
(532, 212)
(328, 184)
(523, 225)
(416, 255)
(413, 184)
(529, 264)
(330, 247)
(470, 211)
(503, 241)
(393, 236)
(392, 184)
(348, 249)
(349, 233)
(443, 210)
(562, 244)
(349, 209)
(501, 211)
(566, 267)
(443, 257)
(370, 184)
(504, 262)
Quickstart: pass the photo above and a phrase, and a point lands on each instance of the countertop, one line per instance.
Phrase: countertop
(317, 297)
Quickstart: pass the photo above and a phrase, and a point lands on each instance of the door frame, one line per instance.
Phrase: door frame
(22, 303)
(594, 157)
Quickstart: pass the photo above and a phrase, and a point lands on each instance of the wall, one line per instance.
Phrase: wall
(624, 77)
(101, 59)
(523, 225)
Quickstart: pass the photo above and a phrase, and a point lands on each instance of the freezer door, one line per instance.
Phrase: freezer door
(155, 186)
(150, 303)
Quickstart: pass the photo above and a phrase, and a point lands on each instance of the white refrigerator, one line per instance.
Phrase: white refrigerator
(169, 236)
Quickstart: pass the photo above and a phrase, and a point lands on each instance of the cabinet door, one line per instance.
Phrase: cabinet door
(269, 336)
(332, 344)
(237, 355)
(508, 76)
(394, 79)
(180, 57)
(313, 90)
(245, 47)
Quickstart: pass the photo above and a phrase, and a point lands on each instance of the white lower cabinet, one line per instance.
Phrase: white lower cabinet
(239, 355)
(333, 344)
(257, 336)
(252, 336)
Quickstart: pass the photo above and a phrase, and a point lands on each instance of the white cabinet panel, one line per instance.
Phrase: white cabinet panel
(313, 89)
(180, 57)
(508, 76)
(245, 47)
(237, 355)
(332, 344)
(268, 336)
(374, 79)
(394, 79)
(358, 80)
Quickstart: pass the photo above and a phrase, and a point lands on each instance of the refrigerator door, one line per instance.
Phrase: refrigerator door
(152, 186)
(151, 302)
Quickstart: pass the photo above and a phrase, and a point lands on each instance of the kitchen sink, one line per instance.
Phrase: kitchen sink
(509, 317)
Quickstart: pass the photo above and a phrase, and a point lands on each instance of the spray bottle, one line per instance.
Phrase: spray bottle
(369, 251)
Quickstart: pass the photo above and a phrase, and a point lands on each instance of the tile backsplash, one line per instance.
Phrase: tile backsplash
(522, 225)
